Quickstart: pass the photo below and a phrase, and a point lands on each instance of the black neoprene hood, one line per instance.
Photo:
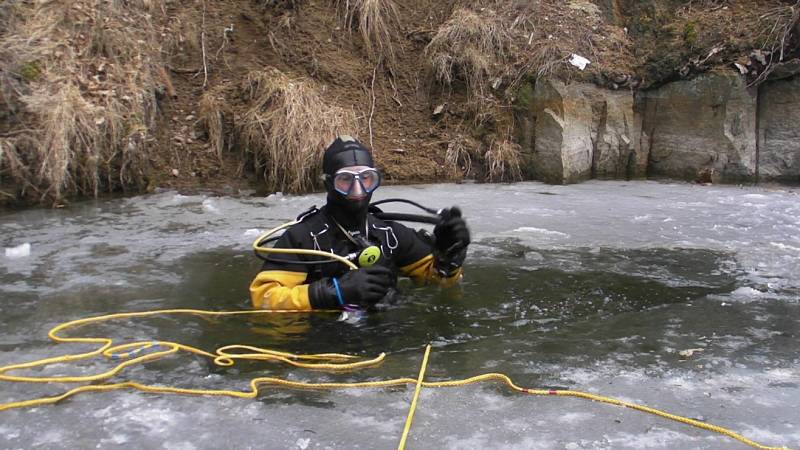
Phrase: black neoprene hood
(345, 151)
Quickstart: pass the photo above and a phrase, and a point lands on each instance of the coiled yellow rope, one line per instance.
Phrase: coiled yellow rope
(139, 352)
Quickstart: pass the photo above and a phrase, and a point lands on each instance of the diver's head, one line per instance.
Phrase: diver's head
(349, 174)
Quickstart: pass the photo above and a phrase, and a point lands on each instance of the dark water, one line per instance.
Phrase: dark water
(592, 288)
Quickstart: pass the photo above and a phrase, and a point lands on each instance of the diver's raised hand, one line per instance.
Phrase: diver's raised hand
(451, 238)
(451, 233)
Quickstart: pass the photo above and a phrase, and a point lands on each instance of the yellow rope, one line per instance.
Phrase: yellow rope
(139, 352)
(414, 399)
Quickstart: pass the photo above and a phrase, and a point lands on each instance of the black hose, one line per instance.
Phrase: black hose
(434, 220)
(403, 200)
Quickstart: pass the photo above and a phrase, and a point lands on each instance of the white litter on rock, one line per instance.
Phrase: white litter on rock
(20, 251)
(579, 61)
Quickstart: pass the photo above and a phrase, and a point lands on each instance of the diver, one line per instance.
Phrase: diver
(347, 225)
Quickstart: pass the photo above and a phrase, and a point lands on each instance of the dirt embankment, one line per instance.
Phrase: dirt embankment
(228, 95)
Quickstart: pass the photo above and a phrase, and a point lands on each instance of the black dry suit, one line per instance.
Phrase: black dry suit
(344, 227)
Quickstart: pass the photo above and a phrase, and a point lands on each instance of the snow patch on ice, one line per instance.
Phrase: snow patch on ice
(653, 438)
(209, 205)
(540, 231)
(20, 251)
(785, 247)
(179, 446)
(251, 232)
(575, 417)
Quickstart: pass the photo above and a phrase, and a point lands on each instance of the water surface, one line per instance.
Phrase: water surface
(595, 287)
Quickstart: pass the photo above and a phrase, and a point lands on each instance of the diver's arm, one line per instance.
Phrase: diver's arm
(416, 258)
(280, 289)
(275, 289)
(284, 290)
(424, 271)
(281, 284)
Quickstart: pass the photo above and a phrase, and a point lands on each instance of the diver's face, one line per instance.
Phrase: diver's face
(355, 183)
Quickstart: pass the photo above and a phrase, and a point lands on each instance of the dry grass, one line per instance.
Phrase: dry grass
(286, 127)
(215, 115)
(87, 96)
(779, 27)
(377, 22)
(68, 153)
(544, 60)
(457, 160)
(13, 167)
(503, 161)
(184, 38)
(469, 47)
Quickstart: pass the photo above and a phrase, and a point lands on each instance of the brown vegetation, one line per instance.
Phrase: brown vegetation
(215, 115)
(83, 99)
(503, 161)
(110, 96)
(679, 39)
(285, 126)
(377, 22)
(469, 46)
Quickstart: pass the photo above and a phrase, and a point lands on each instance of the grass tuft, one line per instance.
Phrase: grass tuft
(377, 21)
(457, 160)
(215, 114)
(469, 47)
(503, 161)
(286, 127)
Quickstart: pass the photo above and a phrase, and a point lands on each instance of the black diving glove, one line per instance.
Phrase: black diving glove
(451, 238)
(363, 287)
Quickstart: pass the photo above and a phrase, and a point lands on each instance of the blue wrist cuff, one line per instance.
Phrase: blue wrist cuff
(338, 292)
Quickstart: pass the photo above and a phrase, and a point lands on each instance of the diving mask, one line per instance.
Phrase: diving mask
(345, 180)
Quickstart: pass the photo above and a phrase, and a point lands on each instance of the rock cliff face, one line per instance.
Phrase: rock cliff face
(710, 128)
(779, 131)
(705, 125)
(579, 131)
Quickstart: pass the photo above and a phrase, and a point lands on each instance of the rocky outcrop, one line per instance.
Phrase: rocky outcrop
(712, 128)
(573, 132)
(617, 130)
(562, 144)
(779, 131)
(702, 126)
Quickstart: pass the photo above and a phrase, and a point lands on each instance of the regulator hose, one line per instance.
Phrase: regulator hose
(434, 218)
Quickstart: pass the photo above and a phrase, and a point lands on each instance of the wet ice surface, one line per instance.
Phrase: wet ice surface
(596, 287)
